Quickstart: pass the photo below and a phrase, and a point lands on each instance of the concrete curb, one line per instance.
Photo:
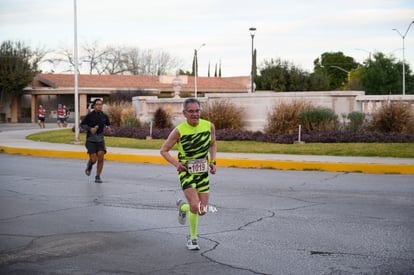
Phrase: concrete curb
(373, 168)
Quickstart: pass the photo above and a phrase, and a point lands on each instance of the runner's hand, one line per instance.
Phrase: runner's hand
(212, 168)
(180, 167)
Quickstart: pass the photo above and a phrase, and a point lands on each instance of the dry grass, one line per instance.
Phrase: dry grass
(122, 114)
(394, 117)
(284, 117)
(223, 114)
(162, 118)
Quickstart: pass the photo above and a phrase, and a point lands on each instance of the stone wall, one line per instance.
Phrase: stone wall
(257, 106)
(371, 103)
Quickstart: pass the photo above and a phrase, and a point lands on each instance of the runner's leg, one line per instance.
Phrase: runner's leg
(193, 200)
(203, 203)
(99, 167)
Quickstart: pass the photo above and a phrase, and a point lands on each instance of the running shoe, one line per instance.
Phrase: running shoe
(98, 179)
(88, 168)
(182, 215)
(192, 244)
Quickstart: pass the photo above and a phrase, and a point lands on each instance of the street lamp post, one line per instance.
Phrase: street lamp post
(75, 73)
(252, 33)
(196, 69)
(403, 38)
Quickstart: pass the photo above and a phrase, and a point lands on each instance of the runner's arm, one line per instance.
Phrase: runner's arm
(213, 149)
(172, 139)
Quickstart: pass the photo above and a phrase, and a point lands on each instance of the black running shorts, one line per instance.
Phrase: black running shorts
(94, 147)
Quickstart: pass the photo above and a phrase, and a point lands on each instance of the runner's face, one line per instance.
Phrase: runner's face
(192, 114)
(98, 106)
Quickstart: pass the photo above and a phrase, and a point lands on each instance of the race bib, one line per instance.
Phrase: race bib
(196, 166)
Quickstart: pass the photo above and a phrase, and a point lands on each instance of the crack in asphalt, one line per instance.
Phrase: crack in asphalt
(60, 245)
(216, 243)
(258, 220)
(44, 212)
(334, 176)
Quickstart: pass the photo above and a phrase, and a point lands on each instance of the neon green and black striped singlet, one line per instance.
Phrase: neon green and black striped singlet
(195, 141)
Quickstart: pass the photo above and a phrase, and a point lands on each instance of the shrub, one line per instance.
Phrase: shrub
(319, 119)
(162, 119)
(122, 114)
(139, 133)
(223, 114)
(393, 117)
(131, 122)
(356, 120)
(314, 136)
(284, 117)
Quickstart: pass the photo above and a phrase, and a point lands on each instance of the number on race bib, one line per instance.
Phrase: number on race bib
(197, 166)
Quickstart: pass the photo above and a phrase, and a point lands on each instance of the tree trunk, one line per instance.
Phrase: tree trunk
(15, 109)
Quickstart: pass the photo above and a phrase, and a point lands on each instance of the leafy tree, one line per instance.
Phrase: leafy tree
(382, 75)
(182, 72)
(319, 81)
(335, 65)
(278, 75)
(219, 74)
(18, 66)
(355, 79)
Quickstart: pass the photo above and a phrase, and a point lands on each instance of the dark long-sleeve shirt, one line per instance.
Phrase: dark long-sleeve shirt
(95, 120)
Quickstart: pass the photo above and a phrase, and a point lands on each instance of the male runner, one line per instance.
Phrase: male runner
(195, 138)
(95, 123)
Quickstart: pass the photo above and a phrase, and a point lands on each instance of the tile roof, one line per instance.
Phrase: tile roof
(141, 82)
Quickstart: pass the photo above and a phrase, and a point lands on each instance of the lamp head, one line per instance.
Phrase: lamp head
(252, 31)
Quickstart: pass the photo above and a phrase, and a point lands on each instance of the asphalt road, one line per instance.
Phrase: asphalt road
(56, 220)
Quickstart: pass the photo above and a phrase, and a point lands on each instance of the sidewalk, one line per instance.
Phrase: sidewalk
(13, 141)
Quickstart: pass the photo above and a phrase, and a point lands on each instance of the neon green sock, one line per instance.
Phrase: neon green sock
(193, 221)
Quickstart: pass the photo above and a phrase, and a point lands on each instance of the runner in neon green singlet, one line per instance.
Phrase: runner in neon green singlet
(195, 139)
(194, 143)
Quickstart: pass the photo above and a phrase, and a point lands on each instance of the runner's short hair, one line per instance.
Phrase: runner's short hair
(190, 100)
(96, 100)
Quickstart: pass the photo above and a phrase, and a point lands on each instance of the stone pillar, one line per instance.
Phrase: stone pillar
(177, 86)
(83, 105)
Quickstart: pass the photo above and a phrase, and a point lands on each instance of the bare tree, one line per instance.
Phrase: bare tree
(165, 63)
(114, 62)
(133, 61)
(38, 55)
(119, 60)
(94, 57)
(65, 57)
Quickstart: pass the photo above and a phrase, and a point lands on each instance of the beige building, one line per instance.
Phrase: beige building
(53, 89)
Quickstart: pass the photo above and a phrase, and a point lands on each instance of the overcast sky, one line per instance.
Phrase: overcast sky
(295, 30)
